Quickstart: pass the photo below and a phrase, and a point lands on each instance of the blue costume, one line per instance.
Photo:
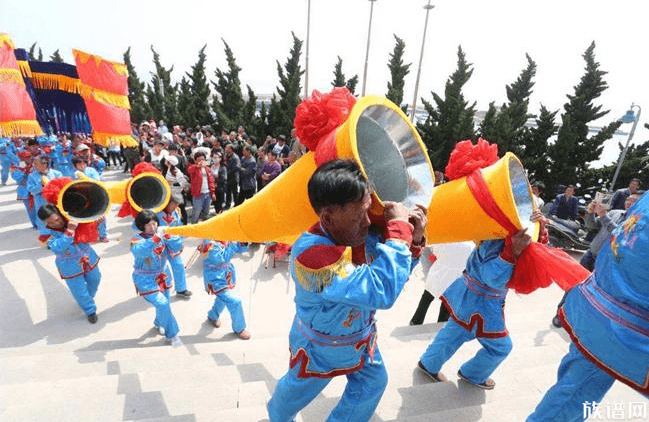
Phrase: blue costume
(175, 258)
(97, 163)
(152, 278)
(101, 223)
(475, 302)
(219, 278)
(607, 317)
(35, 183)
(77, 265)
(338, 290)
(20, 174)
(5, 159)
(62, 159)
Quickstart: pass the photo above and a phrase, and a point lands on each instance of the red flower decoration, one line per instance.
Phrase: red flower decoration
(319, 114)
(52, 189)
(466, 158)
(144, 167)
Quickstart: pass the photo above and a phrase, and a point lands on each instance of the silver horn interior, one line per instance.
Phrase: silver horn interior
(392, 157)
(522, 194)
(85, 201)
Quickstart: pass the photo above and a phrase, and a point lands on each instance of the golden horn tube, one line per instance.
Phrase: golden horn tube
(144, 191)
(264, 217)
(454, 214)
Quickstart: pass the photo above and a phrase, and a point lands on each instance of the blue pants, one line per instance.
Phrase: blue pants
(39, 201)
(102, 229)
(233, 303)
(578, 381)
(84, 288)
(588, 261)
(163, 316)
(6, 165)
(359, 400)
(31, 213)
(178, 270)
(478, 368)
(200, 205)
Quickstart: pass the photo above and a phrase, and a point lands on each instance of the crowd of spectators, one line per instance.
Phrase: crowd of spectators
(208, 170)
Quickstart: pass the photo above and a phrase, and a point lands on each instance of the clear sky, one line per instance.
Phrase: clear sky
(495, 35)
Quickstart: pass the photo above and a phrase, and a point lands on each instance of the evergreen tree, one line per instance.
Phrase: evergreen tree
(451, 120)
(186, 105)
(339, 76)
(534, 149)
(398, 72)
(282, 110)
(56, 57)
(351, 84)
(229, 104)
(573, 149)
(32, 52)
(259, 126)
(139, 108)
(507, 127)
(248, 116)
(340, 80)
(200, 93)
(161, 94)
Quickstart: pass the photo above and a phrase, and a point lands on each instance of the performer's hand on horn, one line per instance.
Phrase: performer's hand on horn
(394, 211)
(520, 241)
(72, 225)
(418, 219)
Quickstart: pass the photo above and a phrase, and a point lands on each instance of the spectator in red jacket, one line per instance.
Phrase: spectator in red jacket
(202, 183)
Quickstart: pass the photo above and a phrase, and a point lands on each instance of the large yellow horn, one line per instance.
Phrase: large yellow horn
(84, 200)
(377, 135)
(455, 215)
(145, 191)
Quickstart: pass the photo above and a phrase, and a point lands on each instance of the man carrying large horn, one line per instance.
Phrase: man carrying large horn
(344, 270)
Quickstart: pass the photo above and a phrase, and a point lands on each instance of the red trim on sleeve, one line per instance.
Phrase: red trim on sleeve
(398, 229)
(507, 254)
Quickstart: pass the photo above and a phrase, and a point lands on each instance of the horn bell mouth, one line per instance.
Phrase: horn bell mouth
(393, 156)
(148, 191)
(84, 201)
(522, 194)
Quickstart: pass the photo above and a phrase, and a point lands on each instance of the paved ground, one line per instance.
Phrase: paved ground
(55, 366)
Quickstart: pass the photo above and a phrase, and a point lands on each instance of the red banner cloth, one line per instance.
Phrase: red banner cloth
(17, 113)
(104, 88)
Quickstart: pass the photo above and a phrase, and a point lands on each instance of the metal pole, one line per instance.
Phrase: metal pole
(367, 52)
(306, 66)
(626, 147)
(421, 58)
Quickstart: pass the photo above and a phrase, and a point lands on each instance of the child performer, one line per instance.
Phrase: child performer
(170, 216)
(220, 277)
(75, 259)
(150, 274)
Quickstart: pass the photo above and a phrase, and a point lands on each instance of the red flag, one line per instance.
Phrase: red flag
(17, 113)
(104, 88)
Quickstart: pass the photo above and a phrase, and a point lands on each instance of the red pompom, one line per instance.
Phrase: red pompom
(53, 187)
(144, 167)
(466, 158)
(319, 114)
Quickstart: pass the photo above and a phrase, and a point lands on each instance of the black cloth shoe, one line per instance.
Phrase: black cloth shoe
(185, 293)
(556, 321)
(92, 318)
